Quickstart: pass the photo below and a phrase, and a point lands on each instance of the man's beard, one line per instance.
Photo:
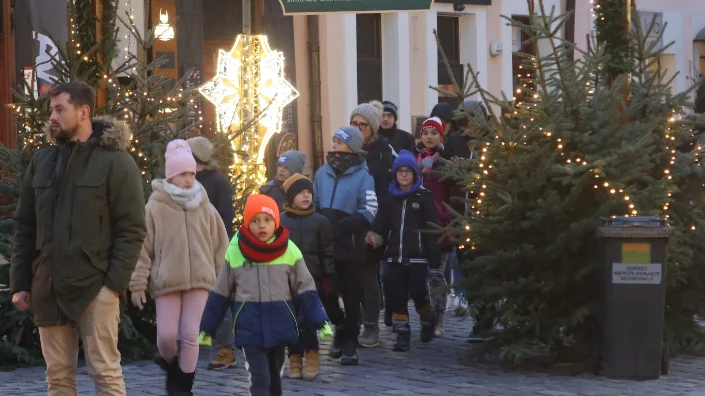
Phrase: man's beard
(65, 134)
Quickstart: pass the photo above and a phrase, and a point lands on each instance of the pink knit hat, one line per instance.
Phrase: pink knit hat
(179, 158)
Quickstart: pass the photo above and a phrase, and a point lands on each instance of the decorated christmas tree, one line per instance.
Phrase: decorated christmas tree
(598, 136)
(155, 108)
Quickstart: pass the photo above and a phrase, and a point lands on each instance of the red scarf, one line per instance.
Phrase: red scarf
(262, 252)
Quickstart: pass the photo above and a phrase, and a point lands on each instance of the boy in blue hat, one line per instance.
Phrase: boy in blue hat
(402, 215)
(344, 192)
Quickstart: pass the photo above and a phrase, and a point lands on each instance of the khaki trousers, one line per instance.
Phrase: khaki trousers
(98, 329)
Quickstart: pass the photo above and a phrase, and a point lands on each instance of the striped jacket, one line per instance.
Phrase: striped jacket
(268, 300)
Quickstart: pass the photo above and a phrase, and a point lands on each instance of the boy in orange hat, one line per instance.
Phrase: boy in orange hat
(265, 281)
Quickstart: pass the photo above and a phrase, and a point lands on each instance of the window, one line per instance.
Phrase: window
(522, 74)
(449, 37)
(369, 57)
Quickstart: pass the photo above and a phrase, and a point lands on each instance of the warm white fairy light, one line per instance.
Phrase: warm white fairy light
(249, 91)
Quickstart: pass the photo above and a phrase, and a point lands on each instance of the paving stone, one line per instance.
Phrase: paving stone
(427, 369)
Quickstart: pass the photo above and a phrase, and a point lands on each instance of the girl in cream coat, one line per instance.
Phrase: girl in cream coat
(182, 253)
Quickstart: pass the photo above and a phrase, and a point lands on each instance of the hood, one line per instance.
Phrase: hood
(378, 147)
(111, 133)
(160, 194)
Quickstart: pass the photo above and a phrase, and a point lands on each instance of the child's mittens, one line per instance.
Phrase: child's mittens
(326, 332)
(427, 163)
(204, 339)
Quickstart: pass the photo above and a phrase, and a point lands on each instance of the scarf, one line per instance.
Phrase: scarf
(298, 212)
(188, 199)
(428, 157)
(257, 251)
(397, 192)
(341, 161)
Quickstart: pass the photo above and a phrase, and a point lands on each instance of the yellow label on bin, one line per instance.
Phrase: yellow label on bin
(636, 253)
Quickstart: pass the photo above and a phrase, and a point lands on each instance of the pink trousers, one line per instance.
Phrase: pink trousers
(180, 312)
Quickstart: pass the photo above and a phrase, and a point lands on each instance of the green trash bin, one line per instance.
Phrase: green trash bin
(633, 297)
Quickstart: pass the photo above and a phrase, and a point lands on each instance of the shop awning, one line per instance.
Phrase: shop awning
(700, 37)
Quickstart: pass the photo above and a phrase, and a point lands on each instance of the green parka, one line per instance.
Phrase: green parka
(80, 223)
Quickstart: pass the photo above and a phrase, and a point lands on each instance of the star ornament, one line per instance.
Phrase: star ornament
(251, 67)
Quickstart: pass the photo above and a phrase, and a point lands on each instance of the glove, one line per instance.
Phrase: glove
(326, 332)
(204, 339)
(329, 285)
(139, 299)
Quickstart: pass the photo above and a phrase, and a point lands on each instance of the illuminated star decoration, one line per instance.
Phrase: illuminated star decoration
(243, 68)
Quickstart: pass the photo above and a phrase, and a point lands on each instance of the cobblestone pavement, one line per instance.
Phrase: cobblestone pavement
(428, 369)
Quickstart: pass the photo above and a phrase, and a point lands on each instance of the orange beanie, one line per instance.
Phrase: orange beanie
(258, 203)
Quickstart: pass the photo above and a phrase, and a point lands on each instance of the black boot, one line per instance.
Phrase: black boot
(428, 325)
(350, 356)
(183, 383)
(336, 347)
(171, 369)
(388, 317)
(403, 342)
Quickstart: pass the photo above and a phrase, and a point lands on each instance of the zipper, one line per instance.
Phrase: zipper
(73, 192)
(236, 315)
(389, 237)
(420, 248)
(332, 196)
(293, 317)
(159, 266)
(188, 245)
(401, 231)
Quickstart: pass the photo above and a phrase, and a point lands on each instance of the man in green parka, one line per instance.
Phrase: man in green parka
(79, 230)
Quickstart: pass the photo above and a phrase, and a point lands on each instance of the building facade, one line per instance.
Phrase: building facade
(394, 56)
(684, 23)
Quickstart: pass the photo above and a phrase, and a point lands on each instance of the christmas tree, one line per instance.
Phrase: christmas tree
(157, 111)
(597, 137)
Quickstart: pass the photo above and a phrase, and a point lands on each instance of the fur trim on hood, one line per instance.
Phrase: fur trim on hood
(112, 134)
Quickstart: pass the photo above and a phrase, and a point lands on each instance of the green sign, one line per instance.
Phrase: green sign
(326, 6)
(636, 253)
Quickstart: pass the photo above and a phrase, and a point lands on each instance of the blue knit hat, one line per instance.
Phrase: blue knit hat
(405, 159)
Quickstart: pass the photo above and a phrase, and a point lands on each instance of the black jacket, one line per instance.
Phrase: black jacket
(400, 221)
(380, 159)
(220, 193)
(399, 139)
(457, 145)
(312, 235)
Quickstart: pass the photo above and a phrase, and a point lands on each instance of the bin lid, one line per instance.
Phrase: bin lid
(634, 227)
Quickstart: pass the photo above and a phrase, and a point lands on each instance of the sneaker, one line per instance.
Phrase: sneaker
(388, 318)
(370, 336)
(403, 342)
(296, 365)
(350, 356)
(336, 347)
(225, 358)
(311, 366)
(428, 325)
(439, 332)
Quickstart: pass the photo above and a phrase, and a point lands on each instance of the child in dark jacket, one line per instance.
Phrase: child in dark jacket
(311, 232)
(405, 211)
(344, 192)
(264, 281)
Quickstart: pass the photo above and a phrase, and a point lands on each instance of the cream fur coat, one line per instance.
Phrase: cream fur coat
(185, 244)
